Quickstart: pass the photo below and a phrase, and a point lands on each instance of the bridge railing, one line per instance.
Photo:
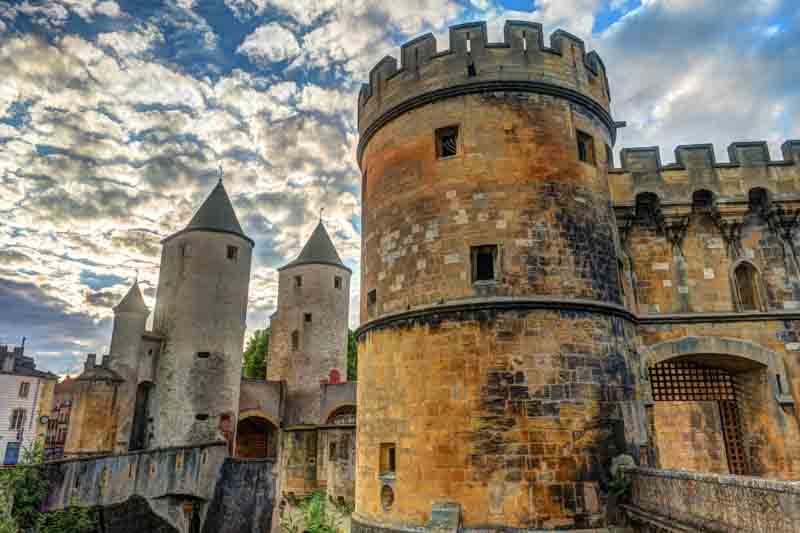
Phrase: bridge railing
(106, 480)
(676, 500)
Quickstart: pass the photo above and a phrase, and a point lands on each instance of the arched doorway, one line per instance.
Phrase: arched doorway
(256, 438)
(712, 404)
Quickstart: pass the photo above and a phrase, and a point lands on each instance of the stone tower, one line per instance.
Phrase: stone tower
(308, 341)
(200, 311)
(130, 318)
(494, 352)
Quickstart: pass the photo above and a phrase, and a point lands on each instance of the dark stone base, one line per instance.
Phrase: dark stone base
(132, 516)
(357, 526)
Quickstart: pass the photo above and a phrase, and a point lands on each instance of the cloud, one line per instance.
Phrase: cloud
(269, 44)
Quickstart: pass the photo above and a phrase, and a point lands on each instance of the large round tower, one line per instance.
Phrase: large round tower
(130, 319)
(494, 349)
(308, 338)
(200, 309)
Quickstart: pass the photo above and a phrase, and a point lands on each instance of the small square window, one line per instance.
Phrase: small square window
(585, 147)
(388, 459)
(307, 318)
(484, 263)
(24, 389)
(298, 281)
(337, 282)
(233, 253)
(203, 355)
(372, 298)
(447, 141)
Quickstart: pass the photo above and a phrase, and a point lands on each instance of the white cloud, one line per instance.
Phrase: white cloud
(270, 43)
(127, 43)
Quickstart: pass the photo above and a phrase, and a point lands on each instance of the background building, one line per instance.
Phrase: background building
(25, 398)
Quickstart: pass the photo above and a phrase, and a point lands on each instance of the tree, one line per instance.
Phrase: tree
(23, 490)
(352, 356)
(255, 355)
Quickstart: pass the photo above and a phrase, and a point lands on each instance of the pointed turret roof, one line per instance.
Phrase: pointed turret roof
(319, 250)
(216, 214)
(132, 302)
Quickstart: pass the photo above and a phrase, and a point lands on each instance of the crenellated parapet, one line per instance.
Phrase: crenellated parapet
(471, 65)
(696, 170)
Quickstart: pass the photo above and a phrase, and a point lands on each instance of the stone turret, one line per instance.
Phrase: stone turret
(308, 341)
(494, 346)
(200, 309)
(130, 318)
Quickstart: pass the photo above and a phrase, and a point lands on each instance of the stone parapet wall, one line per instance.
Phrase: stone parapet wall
(696, 168)
(689, 501)
(521, 58)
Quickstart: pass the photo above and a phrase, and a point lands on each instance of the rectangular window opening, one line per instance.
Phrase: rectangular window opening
(484, 261)
(202, 417)
(203, 355)
(332, 451)
(24, 389)
(337, 282)
(585, 147)
(295, 340)
(233, 253)
(372, 300)
(609, 157)
(388, 458)
(298, 281)
(307, 318)
(447, 141)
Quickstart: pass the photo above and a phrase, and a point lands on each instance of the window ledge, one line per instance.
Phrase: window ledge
(386, 476)
(486, 283)
(785, 400)
(447, 157)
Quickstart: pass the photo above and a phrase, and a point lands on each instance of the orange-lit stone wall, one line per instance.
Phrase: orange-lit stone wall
(689, 436)
(92, 423)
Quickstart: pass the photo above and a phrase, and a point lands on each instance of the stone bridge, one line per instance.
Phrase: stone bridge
(196, 489)
(680, 501)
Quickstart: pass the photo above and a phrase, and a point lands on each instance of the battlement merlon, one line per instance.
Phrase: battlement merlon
(696, 168)
(472, 64)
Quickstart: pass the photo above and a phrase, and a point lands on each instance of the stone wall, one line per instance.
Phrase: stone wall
(336, 462)
(689, 436)
(664, 500)
(244, 498)
(167, 478)
(92, 419)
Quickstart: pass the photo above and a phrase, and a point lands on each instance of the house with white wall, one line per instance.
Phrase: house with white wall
(26, 395)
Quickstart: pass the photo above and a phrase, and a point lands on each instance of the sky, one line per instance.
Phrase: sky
(116, 117)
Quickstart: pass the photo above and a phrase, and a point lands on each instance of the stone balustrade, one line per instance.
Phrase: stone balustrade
(676, 500)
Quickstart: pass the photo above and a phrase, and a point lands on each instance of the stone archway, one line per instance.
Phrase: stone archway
(707, 392)
(256, 438)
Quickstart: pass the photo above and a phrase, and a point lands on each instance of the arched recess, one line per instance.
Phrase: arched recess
(256, 438)
(140, 431)
(342, 415)
(747, 286)
(706, 394)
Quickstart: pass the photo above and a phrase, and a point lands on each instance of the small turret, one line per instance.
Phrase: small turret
(130, 318)
(308, 341)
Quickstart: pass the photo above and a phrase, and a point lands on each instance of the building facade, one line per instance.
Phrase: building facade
(530, 312)
(25, 398)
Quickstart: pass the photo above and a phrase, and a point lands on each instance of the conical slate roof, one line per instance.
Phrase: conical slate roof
(216, 214)
(319, 250)
(132, 302)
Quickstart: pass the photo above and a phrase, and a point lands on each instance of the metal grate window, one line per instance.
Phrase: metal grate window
(686, 381)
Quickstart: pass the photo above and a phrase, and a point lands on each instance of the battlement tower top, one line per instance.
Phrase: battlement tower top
(520, 63)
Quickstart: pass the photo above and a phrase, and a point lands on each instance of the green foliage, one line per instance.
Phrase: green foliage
(619, 486)
(23, 490)
(255, 355)
(352, 356)
(314, 515)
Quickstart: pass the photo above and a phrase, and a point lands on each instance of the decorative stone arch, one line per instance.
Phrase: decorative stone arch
(258, 413)
(761, 293)
(339, 409)
(731, 350)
